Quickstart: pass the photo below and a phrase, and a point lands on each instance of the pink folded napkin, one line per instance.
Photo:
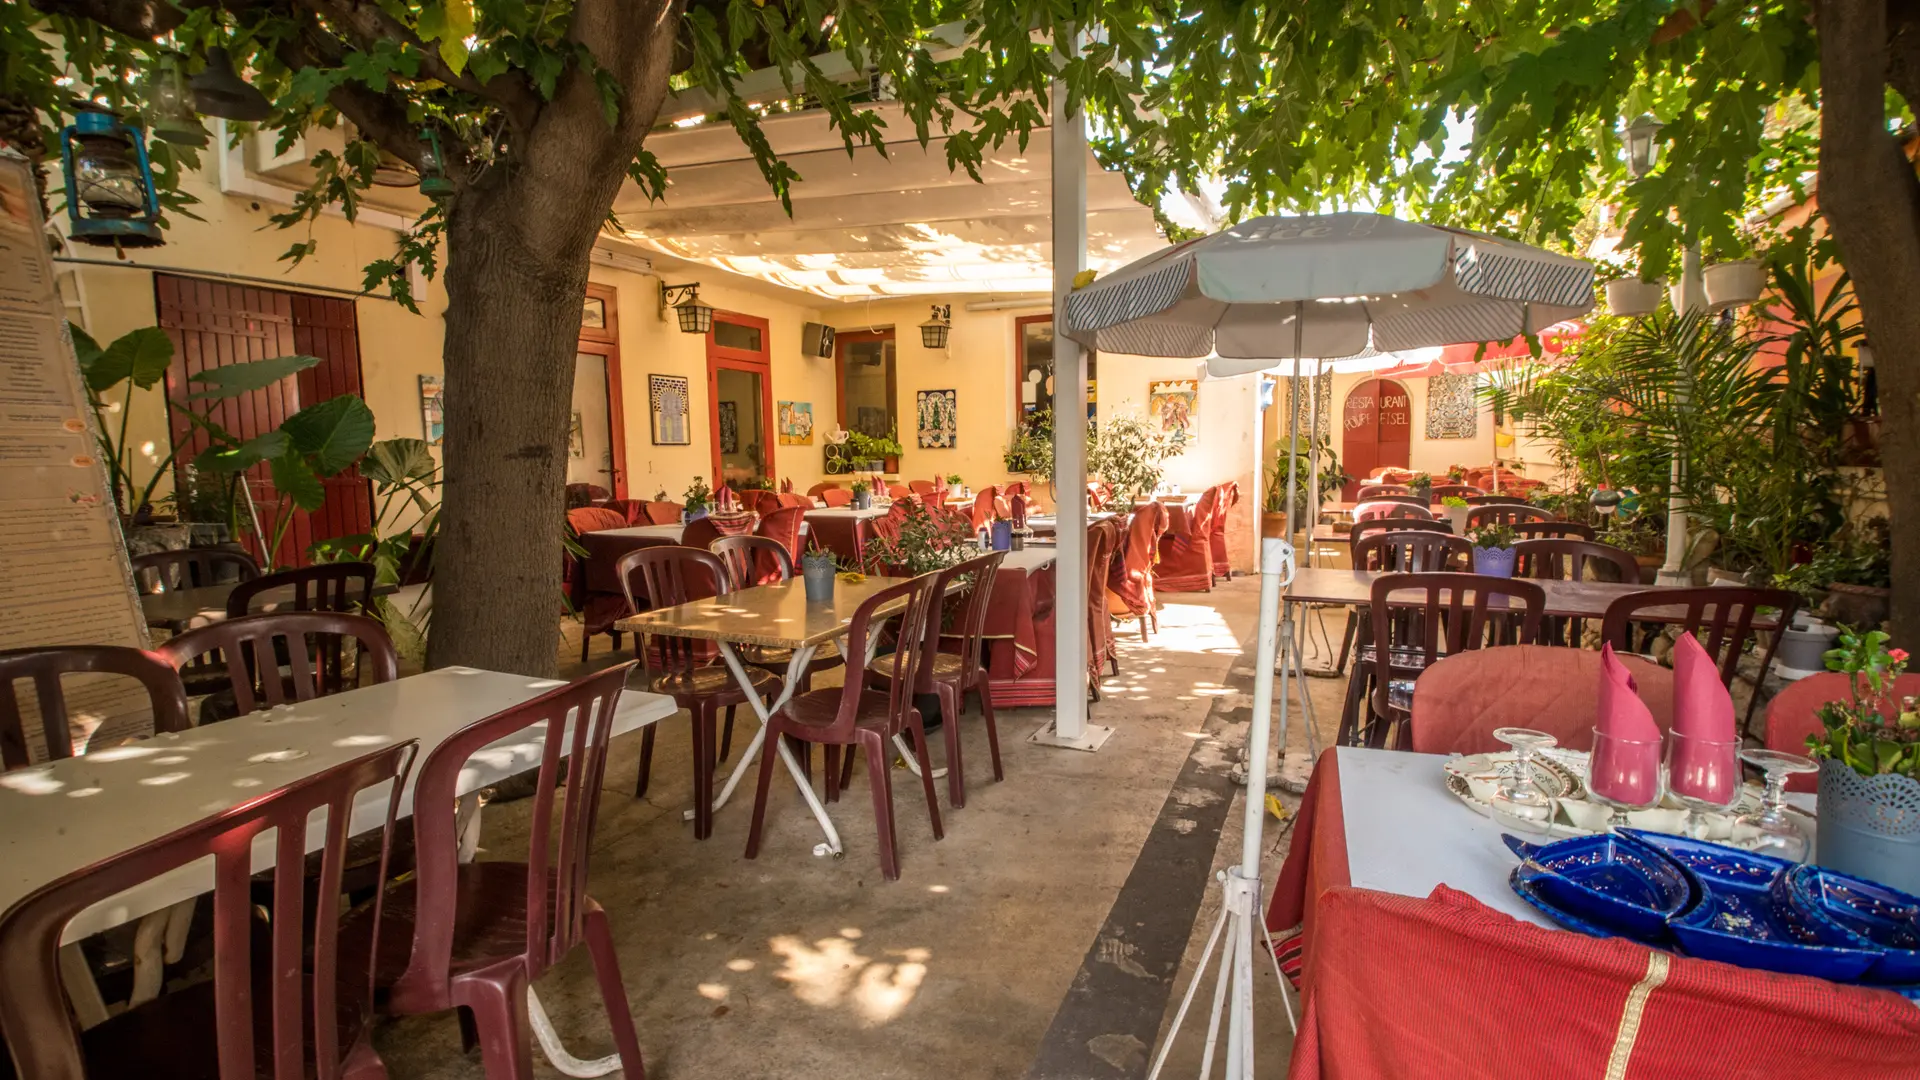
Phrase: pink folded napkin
(1702, 707)
(1621, 713)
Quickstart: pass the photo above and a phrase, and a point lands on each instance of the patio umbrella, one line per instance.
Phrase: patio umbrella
(1300, 289)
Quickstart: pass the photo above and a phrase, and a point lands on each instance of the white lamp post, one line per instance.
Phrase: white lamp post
(1643, 153)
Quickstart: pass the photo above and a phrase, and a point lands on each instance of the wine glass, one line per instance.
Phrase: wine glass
(1624, 774)
(1775, 832)
(1704, 774)
(1518, 801)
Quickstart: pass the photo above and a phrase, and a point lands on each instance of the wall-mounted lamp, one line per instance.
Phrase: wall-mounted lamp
(1643, 152)
(220, 91)
(934, 332)
(695, 317)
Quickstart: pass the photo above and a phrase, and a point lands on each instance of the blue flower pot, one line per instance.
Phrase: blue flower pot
(1002, 538)
(1493, 562)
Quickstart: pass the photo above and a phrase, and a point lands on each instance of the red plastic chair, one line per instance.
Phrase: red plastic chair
(1454, 491)
(1504, 514)
(1505, 497)
(1103, 540)
(1408, 639)
(1390, 508)
(788, 498)
(834, 496)
(673, 576)
(1186, 559)
(752, 561)
(899, 491)
(191, 568)
(920, 487)
(1553, 530)
(849, 717)
(304, 650)
(951, 676)
(783, 525)
(819, 491)
(483, 931)
(256, 1012)
(341, 586)
(664, 513)
(1132, 596)
(700, 533)
(1229, 498)
(1369, 491)
(44, 667)
(633, 510)
(1724, 613)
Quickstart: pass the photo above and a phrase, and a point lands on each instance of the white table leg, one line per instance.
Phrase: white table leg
(82, 992)
(795, 668)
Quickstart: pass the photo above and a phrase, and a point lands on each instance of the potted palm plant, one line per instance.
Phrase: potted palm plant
(1493, 550)
(1869, 754)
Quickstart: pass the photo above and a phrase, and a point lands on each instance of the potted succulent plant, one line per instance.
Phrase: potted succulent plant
(1421, 484)
(1456, 508)
(1734, 275)
(817, 569)
(1869, 753)
(1493, 550)
(862, 495)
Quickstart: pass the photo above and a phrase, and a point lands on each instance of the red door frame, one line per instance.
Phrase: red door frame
(840, 343)
(759, 363)
(1372, 426)
(604, 341)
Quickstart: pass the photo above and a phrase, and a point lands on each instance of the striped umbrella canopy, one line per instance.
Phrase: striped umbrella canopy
(1334, 284)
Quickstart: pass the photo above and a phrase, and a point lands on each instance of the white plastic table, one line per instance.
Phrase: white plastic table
(69, 814)
(671, 533)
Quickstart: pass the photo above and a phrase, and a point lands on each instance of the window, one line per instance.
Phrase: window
(867, 379)
(1033, 366)
(733, 335)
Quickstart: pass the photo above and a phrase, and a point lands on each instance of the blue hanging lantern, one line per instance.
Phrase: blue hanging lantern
(110, 196)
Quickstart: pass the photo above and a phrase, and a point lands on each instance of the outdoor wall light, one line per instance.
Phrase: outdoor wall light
(1642, 151)
(219, 91)
(1606, 502)
(934, 332)
(170, 115)
(695, 317)
(434, 183)
(110, 196)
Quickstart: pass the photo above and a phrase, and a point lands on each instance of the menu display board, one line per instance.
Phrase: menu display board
(64, 575)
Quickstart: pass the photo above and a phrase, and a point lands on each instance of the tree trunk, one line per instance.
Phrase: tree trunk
(513, 318)
(1872, 202)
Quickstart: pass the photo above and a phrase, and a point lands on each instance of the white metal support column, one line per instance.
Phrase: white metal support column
(1069, 729)
(1693, 298)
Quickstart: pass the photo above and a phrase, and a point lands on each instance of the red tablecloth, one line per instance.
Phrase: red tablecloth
(1404, 988)
(1019, 632)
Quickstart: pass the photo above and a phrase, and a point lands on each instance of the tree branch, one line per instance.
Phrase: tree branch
(1903, 50)
(146, 19)
(381, 117)
(367, 23)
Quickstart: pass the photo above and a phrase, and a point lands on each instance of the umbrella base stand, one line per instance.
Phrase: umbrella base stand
(1240, 920)
(1092, 739)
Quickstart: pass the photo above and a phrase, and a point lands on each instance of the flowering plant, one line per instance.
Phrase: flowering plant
(1453, 502)
(1865, 731)
(1493, 535)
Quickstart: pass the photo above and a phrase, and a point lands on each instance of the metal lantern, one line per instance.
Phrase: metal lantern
(434, 183)
(1643, 152)
(219, 91)
(390, 171)
(934, 332)
(695, 317)
(110, 196)
(170, 114)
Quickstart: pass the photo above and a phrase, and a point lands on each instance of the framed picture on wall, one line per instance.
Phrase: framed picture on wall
(939, 419)
(433, 409)
(667, 398)
(796, 423)
(1175, 403)
(729, 427)
(593, 313)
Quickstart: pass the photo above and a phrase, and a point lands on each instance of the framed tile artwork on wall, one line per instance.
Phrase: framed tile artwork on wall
(938, 416)
(667, 397)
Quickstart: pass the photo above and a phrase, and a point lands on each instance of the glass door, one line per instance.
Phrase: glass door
(740, 390)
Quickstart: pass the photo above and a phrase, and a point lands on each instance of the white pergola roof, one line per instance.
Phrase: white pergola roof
(867, 225)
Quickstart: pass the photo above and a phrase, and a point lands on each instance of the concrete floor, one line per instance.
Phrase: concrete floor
(798, 967)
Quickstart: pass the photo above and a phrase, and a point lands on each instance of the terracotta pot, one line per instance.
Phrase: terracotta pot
(1273, 525)
(1631, 296)
(1733, 284)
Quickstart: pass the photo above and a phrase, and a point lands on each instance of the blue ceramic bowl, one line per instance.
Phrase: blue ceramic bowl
(1525, 886)
(1614, 883)
(1743, 915)
(1852, 911)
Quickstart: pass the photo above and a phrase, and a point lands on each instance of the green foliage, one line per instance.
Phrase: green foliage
(1332, 479)
(698, 496)
(1493, 535)
(1030, 452)
(924, 541)
(1849, 560)
(1867, 731)
(406, 526)
(1129, 452)
(864, 447)
(137, 360)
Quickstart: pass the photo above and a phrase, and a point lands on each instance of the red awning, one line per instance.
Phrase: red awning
(1469, 360)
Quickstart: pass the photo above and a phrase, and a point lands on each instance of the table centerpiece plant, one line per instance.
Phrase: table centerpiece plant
(698, 499)
(817, 570)
(1493, 553)
(1869, 754)
(921, 541)
(1456, 508)
(1421, 484)
(862, 495)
